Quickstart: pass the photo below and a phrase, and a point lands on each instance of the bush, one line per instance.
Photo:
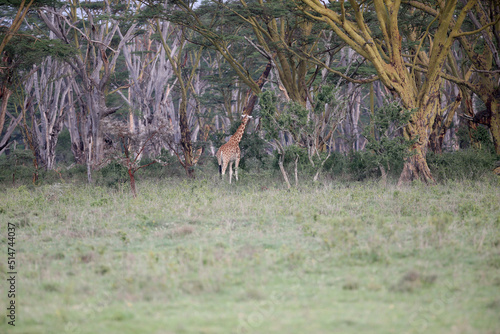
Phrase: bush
(253, 152)
(362, 165)
(17, 167)
(337, 165)
(111, 175)
(64, 156)
(471, 164)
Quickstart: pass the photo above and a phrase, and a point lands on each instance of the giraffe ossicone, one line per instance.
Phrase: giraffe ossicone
(230, 151)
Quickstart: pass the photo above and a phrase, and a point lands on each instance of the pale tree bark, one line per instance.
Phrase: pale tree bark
(94, 66)
(75, 124)
(355, 113)
(349, 97)
(184, 83)
(49, 88)
(271, 37)
(6, 78)
(151, 79)
(199, 115)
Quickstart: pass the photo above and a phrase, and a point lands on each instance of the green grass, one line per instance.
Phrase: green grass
(207, 257)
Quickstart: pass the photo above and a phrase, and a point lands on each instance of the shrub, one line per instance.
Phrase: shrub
(469, 164)
(111, 175)
(337, 165)
(17, 167)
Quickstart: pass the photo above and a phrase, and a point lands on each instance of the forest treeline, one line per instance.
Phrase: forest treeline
(144, 81)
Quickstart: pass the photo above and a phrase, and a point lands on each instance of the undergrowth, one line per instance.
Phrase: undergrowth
(471, 164)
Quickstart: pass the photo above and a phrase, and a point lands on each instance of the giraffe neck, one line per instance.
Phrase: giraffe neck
(236, 138)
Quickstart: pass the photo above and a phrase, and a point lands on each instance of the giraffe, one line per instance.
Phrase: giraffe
(230, 151)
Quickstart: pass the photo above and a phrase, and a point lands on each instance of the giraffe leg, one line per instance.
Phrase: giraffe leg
(224, 166)
(219, 161)
(236, 164)
(230, 172)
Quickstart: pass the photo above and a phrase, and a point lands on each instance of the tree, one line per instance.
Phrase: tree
(384, 144)
(94, 64)
(392, 60)
(479, 73)
(7, 72)
(22, 10)
(301, 127)
(18, 52)
(127, 146)
(184, 82)
(48, 89)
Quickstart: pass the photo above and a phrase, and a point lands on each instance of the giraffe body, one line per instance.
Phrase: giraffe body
(230, 151)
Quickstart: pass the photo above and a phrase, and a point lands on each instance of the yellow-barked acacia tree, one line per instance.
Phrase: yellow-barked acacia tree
(396, 60)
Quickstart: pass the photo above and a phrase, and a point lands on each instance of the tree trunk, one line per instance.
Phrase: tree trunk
(260, 83)
(383, 172)
(283, 171)
(494, 105)
(437, 135)
(73, 123)
(416, 168)
(132, 182)
(296, 170)
(152, 76)
(5, 135)
(187, 146)
(47, 89)
(4, 96)
(441, 125)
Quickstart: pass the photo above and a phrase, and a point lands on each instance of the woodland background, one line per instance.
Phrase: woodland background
(381, 118)
(345, 89)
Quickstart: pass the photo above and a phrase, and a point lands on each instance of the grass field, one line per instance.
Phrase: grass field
(207, 257)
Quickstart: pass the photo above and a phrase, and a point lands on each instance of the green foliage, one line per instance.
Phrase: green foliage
(470, 164)
(253, 149)
(24, 50)
(271, 121)
(481, 134)
(17, 167)
(325, 95)
(278, 117)
(14, 4)
(299, 124)
(64, 156)
(337, 165)
(291, 153)
(386, 147)
(480, 137)
(361, 165)
(112, 175)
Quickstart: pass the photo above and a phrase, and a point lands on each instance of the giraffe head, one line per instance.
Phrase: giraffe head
(246, 118)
